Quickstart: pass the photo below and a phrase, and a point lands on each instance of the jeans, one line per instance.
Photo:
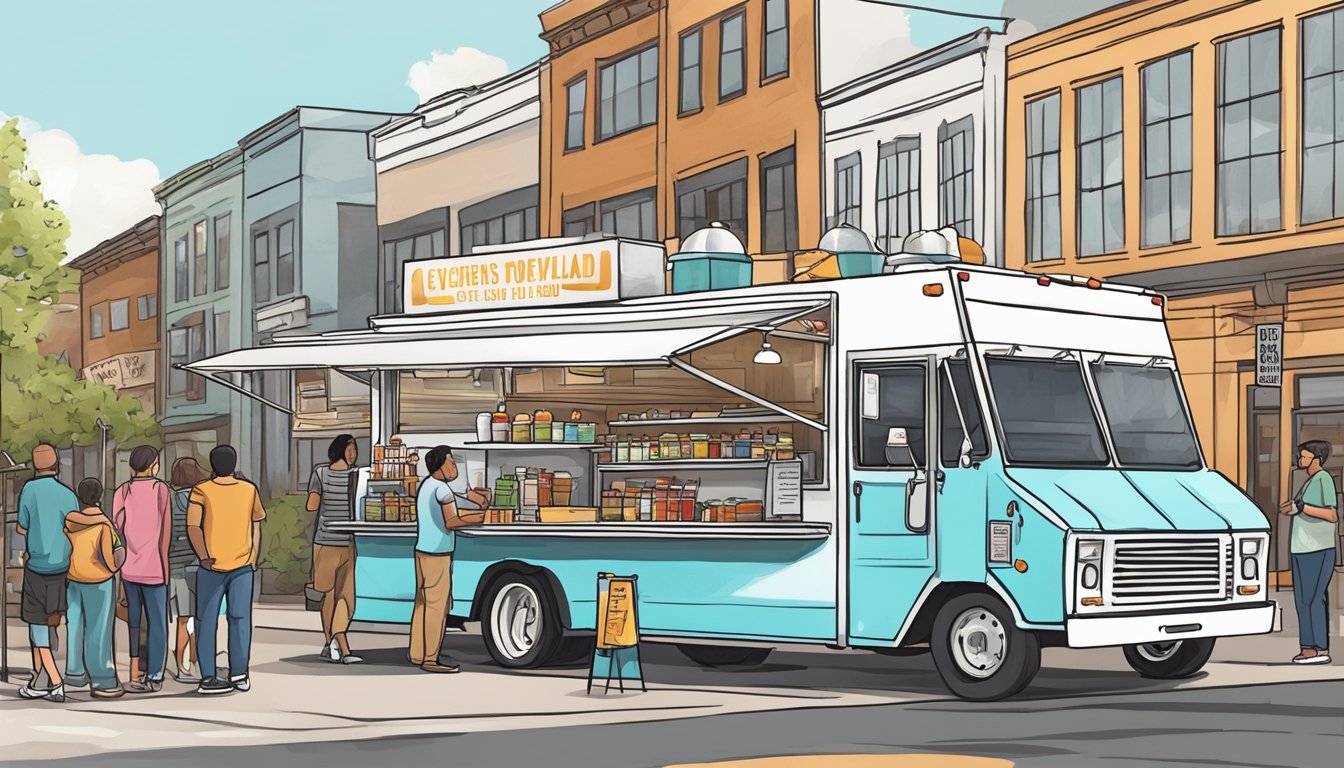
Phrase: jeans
(89, 619)
(152, 601)
(212, 588)
(1311, 581)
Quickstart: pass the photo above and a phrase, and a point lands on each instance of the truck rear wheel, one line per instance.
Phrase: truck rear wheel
(1171, 660)
(521, 624)
(980, 653)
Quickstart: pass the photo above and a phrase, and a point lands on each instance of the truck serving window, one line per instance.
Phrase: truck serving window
(1046, 414)
(1149, 424)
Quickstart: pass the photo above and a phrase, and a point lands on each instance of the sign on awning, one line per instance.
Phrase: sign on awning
(1269, 355)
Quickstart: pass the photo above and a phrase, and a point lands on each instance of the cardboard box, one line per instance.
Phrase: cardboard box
(568, 514)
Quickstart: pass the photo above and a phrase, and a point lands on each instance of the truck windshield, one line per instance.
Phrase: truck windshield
(1045, 412)
(1148, 422)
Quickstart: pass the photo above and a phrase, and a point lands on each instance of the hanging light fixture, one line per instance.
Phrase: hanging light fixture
(767, 355)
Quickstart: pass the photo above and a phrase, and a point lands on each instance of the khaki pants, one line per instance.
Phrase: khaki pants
(433, 597)
(334, 577)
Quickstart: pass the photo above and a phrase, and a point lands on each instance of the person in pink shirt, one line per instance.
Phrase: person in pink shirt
(142, 512)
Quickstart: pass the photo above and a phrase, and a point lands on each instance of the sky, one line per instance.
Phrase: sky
(115, 96)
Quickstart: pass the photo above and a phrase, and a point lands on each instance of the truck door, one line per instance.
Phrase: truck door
(891, 493)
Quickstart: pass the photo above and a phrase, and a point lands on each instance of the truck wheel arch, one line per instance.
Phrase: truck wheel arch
(517, 566)
(921, 629)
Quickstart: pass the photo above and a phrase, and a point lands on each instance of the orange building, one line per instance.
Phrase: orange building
(1196, 148)
(119, 298)
(661, 117)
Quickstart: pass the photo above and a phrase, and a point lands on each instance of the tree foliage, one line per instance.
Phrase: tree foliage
(41, 397)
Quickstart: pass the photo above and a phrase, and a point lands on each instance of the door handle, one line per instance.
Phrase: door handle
(858, 508)
(940, 477)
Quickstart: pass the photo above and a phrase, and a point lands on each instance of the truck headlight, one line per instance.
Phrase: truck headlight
(1250, 570)
(1250, 547)
(1091, 576)
(1090, 550)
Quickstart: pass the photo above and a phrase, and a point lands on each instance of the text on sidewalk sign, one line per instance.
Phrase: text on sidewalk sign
(617, 626)
(1269, 355)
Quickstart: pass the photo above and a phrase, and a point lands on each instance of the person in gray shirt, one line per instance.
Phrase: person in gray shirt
(330, 492)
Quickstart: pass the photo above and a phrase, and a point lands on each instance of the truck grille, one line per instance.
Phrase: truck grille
(1149, 571)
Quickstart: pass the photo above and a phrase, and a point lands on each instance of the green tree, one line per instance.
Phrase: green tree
(41, 397)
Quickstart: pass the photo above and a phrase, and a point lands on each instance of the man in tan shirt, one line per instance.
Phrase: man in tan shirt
(224, 517)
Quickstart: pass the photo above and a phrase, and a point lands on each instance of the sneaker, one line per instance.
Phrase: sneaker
(351, 658)
(1320, 658)
(149, 686)
(241, 683)
(186, 678)
(330, 652)
(56, 694)
(436, 667)
(213, 686)
(115, 692)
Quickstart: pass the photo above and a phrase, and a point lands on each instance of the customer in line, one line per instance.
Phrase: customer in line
(182, 567)
(224, 517)
(141, 512)
(94, 559)
(43, 505)
(1313, 550)
(330, 491)
(436, 519)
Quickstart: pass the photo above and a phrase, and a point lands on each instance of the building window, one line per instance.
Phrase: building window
(848, 190)
(719, 194)
(261, 272)
(580, 221)
(576, 97)
(690, 72)
(221, 340)
(629, 93)
(96, 329)
(200, 261)
(284, 259)
(426, 245)
(181, 280)
(185, 345)
(119, 312)
(507, 218)
(147, 306)
(779, 202)
(776, 39)
(732, 56)
(1043, 220)
(1323, 117)
(1248, 187)
(1167, 151)
(897, 192)
(956, 176)
(223, 257)
(631, 216)
(1101, 168)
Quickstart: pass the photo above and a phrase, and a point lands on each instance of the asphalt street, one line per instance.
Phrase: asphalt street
(1293, 725)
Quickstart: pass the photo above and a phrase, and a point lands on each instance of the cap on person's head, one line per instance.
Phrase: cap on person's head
(223, 460)
(90, 492)
(1318, 448)
(143, 458)
(45, 457)
(437, 457)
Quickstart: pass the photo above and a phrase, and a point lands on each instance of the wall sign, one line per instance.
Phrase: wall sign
(132, 369)
(579, 273)
(1269, 355)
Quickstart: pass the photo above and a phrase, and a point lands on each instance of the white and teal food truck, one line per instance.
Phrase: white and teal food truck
(984, 461)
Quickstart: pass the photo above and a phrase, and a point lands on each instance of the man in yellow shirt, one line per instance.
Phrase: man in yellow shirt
(224, 517)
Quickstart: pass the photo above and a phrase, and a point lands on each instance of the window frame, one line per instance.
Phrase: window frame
(181, 273)
(200, 258)
(479, 222)
(784, 161)
(910, 198)
(740, 16)
(582, 114)
(261, 264)
(767, 76)
(849, 177)
(1036, 200)
(1221, 108)
(639, 198)
(112, 306)
(606, 72)
(948, 135)
(731, 178)
(1165, 124)
(1336, 16)
(147, 306)
(223, 224)
(699, 67)
(858, 369)
(1081, 145)
(585, 215)
(97, 321)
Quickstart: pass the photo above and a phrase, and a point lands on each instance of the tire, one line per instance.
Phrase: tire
(1170, 661)
(520, 622)
(724, 655)
(979, 651)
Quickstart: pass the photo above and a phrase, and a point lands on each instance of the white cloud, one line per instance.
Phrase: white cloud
(101, 194)
(443, 72)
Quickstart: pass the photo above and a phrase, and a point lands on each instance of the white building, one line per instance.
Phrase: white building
(918, 144)
(461, 171)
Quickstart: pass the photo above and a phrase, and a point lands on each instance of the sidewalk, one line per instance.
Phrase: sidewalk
(298, 698)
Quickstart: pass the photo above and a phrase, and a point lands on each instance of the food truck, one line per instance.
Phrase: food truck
(978, 460)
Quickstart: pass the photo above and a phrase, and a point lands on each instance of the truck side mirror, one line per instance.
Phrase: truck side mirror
(916, 504)
(965, 457)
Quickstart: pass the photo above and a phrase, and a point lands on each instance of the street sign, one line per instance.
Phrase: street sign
(1269, 355)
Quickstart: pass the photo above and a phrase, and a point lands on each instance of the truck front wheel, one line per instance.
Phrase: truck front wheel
(521, 623)
(1171, 660)
(980, 653)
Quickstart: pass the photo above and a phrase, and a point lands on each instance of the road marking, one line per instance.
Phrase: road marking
(859, 761)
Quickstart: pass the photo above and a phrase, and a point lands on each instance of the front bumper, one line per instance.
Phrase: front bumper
(1129, 629)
